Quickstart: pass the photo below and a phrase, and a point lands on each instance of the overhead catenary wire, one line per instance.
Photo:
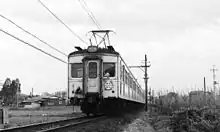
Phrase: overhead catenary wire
(7, 33)
(90, 14)
(54, 15)
(33, 35)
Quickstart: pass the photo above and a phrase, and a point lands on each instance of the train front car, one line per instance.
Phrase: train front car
(93, 72)
(100, 81)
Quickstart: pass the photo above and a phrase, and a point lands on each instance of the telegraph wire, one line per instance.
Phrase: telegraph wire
(33, 35)
(33, 46)
(62, 22)
(90, 14)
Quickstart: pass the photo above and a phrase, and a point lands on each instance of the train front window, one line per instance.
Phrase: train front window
(92, 70)
(76, 70)
(109, 68)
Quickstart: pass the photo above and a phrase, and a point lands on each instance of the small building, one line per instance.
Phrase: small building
(34, 102)
(30, 105)
(53, 101)
(43, 101)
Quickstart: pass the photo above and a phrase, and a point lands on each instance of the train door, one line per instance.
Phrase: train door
(92, 78)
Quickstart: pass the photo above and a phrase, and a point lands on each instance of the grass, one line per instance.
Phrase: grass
(18, 117)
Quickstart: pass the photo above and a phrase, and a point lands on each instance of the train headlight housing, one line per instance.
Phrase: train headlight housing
(108, 85)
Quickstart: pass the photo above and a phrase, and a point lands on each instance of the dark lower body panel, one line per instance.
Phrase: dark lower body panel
(94, 104)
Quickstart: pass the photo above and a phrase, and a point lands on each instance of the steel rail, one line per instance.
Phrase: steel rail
(49, 126)
(71, 124)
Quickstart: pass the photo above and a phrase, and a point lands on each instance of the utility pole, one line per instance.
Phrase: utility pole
(150, 94)
(204, 91)
(16, 97)
(145, 80)
(214, 81)
(32, 92)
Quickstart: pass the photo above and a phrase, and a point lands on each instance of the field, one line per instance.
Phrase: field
(18, 117)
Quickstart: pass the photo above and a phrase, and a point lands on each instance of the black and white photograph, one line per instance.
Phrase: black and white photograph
(110, 66)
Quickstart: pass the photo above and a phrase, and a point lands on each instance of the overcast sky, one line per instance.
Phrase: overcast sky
(180, 37)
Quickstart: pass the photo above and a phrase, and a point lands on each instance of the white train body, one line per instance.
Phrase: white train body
(101, 76)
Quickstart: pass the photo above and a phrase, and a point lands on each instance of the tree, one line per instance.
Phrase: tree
(64, 94)
(61, 94)
(15, 90)
(10, 90)
(5, 93)
(18, 85)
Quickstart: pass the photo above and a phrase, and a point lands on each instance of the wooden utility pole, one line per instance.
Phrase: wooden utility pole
(17, 97)
(145, 80)
(32, 92)
(204, 91)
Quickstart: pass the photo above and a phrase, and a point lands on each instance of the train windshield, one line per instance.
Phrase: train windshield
(76, 70)
(109, 68)
(92, 70)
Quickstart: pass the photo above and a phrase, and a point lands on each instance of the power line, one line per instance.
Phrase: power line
(32, 35)
(33, 46)
(62, 22)
(90, 14)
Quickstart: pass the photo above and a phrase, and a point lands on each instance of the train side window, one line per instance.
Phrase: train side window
(109, 68)
(76, 70)
(92, 70)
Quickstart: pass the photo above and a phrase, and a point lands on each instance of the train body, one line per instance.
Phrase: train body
(100, 79)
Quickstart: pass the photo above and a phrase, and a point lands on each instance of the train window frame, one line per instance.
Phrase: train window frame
(123, 72)
(133, 85)
(123, 79)
(104, 72)
(126, 77)
(91, 73)
(77, 74)
(130, 81)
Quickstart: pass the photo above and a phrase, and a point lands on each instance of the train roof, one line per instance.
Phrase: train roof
(94, 49)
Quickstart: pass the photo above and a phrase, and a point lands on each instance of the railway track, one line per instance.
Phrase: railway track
(55, 125)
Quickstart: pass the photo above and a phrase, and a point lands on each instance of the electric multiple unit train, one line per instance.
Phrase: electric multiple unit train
(100, 79)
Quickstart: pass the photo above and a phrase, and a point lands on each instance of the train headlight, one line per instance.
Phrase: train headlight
(92, 48)
(108, 85)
